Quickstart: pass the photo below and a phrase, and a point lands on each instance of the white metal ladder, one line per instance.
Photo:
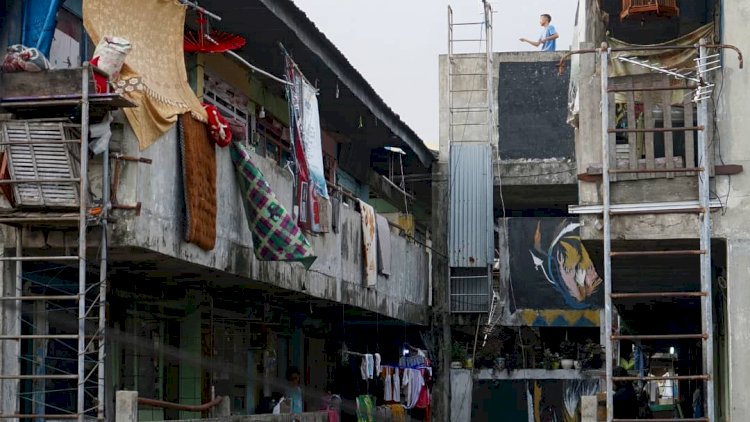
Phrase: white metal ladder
(466, 112)
(89, 300)
(704, 253)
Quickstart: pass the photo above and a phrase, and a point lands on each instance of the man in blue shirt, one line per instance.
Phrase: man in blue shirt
(548, 37)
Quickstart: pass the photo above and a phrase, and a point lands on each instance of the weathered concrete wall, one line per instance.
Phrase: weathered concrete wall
(533, 106)
(733, 127)
(536, 145)
(336, 274)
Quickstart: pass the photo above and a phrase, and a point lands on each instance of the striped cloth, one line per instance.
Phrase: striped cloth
(276, 237)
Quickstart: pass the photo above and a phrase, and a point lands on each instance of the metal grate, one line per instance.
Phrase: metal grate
(470, 290)
(39, 151)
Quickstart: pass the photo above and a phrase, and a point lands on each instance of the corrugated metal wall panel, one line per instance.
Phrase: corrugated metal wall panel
(470, 239)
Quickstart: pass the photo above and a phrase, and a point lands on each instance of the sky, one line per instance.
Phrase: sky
(395, 44)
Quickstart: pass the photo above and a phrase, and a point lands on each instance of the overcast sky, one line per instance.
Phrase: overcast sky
(395, 44)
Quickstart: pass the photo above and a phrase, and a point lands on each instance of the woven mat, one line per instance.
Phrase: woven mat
(198, 157)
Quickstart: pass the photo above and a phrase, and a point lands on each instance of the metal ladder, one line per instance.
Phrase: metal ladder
(461, 110)
(704, 253)
(89, 333)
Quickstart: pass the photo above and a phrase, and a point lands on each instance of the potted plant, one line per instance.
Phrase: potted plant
(458, 355)
(491, 354)
(568, 351)
(591, 355)
(551, 360)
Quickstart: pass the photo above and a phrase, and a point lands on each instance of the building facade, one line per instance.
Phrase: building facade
(184, 323)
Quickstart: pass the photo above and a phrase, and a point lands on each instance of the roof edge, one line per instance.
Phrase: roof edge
(320, 45)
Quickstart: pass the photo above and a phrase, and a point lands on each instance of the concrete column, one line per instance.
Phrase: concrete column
(461, 391)
(126, 406)
(738, 303)
(10, 324)
(223, 409)
(588, 408)
(440, 318)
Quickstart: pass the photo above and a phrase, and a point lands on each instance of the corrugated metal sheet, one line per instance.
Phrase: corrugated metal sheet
(470, 239)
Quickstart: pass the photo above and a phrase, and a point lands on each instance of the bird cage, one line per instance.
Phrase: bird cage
(644, 8)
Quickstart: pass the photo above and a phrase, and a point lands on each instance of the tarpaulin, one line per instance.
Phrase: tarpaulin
(154, 74)
(39, 22)
(672, 59)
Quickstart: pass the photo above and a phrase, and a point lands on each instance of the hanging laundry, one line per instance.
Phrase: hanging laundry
(396, 385)
(336, 211)
(413, 383)
(218, 126)
(384, 246)
(275, 235)
(398, 413)
(365, 409)
(369, 238)
(387, 384)
(378, 368)
(363, 368)
(198, 160)
(370, 365)
(154, 75)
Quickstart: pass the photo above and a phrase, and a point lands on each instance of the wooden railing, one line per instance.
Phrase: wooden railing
(655, 130)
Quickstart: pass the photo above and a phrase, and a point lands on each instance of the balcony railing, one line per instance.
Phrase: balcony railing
(667, 8)
(655, 134)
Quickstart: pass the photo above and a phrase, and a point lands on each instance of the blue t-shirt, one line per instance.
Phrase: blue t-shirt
(549, 45)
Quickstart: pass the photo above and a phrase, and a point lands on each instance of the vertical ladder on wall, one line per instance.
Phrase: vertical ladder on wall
(87, 382)
(704, 253)
(471, 132)
(470, 105)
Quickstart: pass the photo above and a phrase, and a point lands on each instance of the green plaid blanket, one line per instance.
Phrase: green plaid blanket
(276, 236)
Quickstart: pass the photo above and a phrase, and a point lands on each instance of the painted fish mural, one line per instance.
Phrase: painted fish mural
(566, 265)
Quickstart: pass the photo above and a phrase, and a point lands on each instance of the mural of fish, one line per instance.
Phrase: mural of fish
(566, 265)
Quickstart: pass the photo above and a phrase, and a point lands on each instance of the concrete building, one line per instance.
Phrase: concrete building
(686, 315)
(534, 181)
(182, 324)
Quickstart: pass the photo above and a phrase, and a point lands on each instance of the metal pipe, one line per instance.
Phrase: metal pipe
(660, 337)
(660, 253)
(33, 377)
(674, 170)
(607, 227)
(653, 88)
(102, 340)
(654, 378)
(257, 69)
(658, 129)
(566, 56)
(656, 294)
(176, 406)
(83, 211)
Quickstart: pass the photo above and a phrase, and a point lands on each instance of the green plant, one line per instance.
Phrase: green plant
(458, 352)
(551, 360)
(591, 355)
(568, 349)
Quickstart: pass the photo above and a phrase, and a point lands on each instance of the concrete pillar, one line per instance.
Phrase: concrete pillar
(738, 302)
(462, 387)
(588, 408)
(10, 324)
(440, 318)
(126, 406)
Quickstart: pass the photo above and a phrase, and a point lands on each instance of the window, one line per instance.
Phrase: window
(231, 104)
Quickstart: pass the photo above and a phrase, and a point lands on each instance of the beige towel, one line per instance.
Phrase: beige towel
(154, 75)
(369, 243)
